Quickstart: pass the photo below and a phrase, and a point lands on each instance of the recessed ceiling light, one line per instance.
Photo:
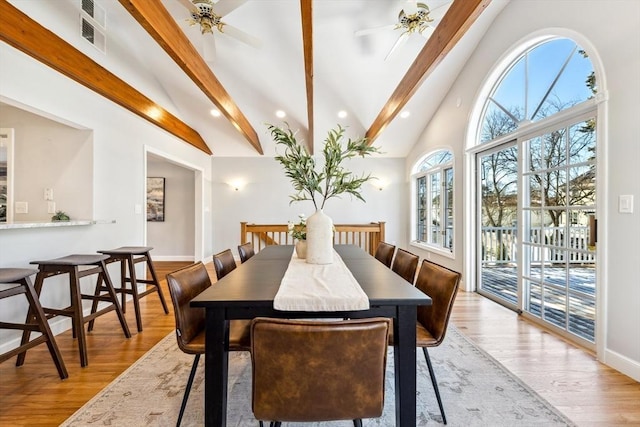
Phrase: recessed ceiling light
(342, 114)
(281, 114)
(215, 113)
(405, 114)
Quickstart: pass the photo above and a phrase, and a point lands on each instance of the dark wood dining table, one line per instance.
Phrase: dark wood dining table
(249, 291)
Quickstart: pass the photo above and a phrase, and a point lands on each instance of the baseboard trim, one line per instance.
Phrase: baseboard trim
(623, 364)
(176, 258)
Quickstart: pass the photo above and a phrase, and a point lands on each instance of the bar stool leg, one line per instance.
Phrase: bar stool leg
(123, 284)
(76, 306)
(26, 334)
(152, 270)
(134, 288)
(43, 324)
(114, 297)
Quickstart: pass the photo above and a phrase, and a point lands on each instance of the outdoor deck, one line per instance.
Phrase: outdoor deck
(502, 281)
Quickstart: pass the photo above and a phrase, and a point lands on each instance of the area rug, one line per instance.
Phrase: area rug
(476, 391)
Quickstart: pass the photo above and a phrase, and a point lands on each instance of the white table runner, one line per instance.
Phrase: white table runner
(315, 287)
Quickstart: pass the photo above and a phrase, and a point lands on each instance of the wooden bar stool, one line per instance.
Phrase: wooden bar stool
(128, 256)
(104, 292)
(38, 322)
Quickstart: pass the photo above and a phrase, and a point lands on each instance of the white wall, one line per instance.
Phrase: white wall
(265, 198)
(609, 31)
(119, 140)
(50, 155)
(173, 238)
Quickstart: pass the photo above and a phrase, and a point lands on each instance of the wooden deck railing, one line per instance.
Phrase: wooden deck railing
(367, 236)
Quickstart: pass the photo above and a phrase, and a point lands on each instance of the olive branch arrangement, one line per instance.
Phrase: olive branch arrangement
(332, 179)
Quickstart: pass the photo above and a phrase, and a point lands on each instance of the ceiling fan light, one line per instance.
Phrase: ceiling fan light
(342, 114)
(415, 22)
(405, 114)
(281, 114)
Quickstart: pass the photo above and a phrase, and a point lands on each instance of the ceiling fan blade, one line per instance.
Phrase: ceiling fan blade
(401, 40)
(428, 31)
(373, 30)
(241, 36)
(190, 6)
(223, 7)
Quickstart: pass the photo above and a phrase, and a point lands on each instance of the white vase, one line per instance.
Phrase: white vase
(319, 238)
(301, 249)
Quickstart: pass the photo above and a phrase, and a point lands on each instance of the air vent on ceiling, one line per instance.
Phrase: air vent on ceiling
(92, 24)
(96, 12)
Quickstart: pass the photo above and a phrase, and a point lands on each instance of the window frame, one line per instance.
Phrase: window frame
(446, 203)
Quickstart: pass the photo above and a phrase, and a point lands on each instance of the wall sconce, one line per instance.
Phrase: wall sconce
(379, 183)
(237, 184)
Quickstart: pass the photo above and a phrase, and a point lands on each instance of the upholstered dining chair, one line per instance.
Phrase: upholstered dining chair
(384, 253)
(224, 263)
(245, 251)
(441, 284)
(304, 372)
(185, 284)
(405, 264)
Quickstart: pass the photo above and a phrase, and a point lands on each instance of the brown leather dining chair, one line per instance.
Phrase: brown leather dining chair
(405, 264)
(185, 284)
(245, 251)
(304, 372)
(384, 253)
(224, 263)
(441, 284)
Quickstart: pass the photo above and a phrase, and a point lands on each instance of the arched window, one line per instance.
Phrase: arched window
(433, 181)
(535, 176)
(546, 79)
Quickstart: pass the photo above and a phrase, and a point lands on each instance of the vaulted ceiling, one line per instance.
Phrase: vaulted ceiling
(309, 64)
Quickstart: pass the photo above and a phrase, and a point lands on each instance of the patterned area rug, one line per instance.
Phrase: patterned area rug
(475, 388)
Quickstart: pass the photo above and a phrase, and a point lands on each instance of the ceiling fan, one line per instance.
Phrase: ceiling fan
(204, 22)
(414, 18)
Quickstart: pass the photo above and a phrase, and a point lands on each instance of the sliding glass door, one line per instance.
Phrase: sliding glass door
(498, 220)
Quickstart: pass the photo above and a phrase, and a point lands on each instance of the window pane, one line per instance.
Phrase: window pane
(436, 225)
(510, 91)
(548, 78)
(496, 123)
(421, 208)
(582, 142)
(555, 149)
(448, 209)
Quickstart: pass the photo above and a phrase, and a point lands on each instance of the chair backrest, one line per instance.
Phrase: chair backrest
(185, 284)
(245, 251)
(441, 284)
(224, 263)
(318, 371)
(405, 264)
(384, 253)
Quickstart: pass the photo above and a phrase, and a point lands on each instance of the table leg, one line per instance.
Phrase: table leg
(404, 353)
(216, 368)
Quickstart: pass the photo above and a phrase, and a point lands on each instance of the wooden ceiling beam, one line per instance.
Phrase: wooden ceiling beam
(455, 23)
(157, 21)
(306, 10)
(28, 36)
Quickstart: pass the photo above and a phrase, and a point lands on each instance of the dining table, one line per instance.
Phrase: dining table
(249, 291)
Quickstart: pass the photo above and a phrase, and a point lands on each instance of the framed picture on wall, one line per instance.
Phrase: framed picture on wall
(155, 199)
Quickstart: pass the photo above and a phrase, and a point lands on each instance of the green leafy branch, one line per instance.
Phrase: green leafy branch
(333, 179)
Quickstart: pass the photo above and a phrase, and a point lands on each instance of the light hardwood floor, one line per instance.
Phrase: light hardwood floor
(570, 378)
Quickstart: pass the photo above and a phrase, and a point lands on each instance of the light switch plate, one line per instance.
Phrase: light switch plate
(51, 207)
(625, 203)
(22, 207)
(48, 194)
(138, 209)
